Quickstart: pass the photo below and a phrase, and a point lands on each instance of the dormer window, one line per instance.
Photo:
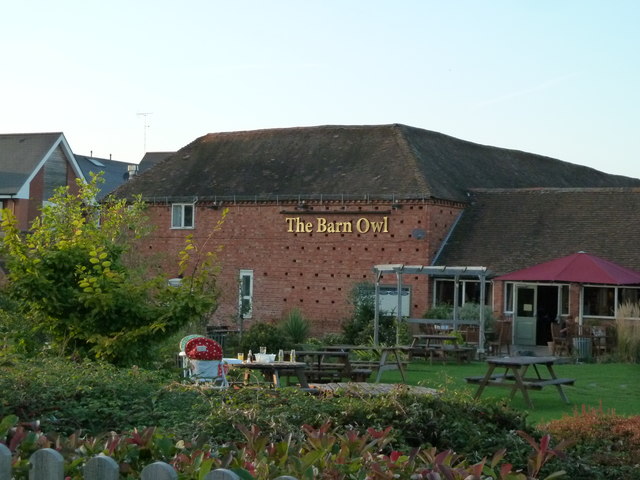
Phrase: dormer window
(182, 215)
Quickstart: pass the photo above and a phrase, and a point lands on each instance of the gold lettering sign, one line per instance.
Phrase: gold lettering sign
(322, 225)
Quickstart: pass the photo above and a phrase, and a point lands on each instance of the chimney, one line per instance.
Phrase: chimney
(132, 170)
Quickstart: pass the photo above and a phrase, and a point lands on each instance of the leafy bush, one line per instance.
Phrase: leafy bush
(359, 329)
(67, 396)
(262, 334)
(74, 279)
(471, 311)
(440, 312)
(321, 453)
(91, 398)
(603, 440)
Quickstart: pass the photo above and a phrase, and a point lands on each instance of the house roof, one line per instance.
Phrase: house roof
(508, 230)
(151, 159)
(384, 160)
(580, 267)
(21, 154)
(115, 173)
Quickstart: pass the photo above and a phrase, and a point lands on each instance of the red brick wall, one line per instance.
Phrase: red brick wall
(314, 271)
(36, 188)
(26, 210)
(498, 299)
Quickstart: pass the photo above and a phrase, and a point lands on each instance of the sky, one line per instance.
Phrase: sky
(554, 77)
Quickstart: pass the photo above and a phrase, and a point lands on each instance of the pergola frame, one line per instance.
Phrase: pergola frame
(438, 271)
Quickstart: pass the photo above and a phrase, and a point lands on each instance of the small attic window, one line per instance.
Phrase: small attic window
(96, 162)
(182, 215)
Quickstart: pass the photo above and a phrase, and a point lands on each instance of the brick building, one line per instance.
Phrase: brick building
(32, 166)
(312, 210)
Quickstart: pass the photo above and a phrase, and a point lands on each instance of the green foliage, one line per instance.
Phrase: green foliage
(471, 311)
(16, 334)
(262, 334)
(74, 280)
(321, 453)
(295, 327)
(606, 439)
(359, 329)
(440, 312)
(91, 398)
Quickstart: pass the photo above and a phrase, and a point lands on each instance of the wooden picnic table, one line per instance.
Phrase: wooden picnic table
(434, 344)
(272, 371)
(514, 376)
(384, 363)
(325, 365)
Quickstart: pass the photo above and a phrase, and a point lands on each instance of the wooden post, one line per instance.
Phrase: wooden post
(46, 464)
(221, 474)
(101, 468)
(5, 462)
(159, 471)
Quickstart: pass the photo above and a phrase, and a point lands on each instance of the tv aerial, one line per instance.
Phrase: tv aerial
(146, 126)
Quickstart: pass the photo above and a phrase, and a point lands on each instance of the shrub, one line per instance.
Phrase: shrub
(91, 397)
(440, 312)
(78, 281)
(471, 311)
(295, 327)
(262, 334)
(604, 442)
(66, 396)
(321, 453)
(359, 329)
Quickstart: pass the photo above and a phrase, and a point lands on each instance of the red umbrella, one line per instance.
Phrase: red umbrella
(580, 267)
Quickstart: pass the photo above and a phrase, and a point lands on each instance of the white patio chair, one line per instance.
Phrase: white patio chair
(211, 372)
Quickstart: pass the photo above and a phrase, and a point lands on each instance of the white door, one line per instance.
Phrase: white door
(524, 322)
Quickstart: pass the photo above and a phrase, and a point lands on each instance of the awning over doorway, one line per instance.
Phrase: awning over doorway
(579, 267)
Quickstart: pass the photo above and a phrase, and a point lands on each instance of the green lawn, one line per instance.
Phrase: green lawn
(613, 386)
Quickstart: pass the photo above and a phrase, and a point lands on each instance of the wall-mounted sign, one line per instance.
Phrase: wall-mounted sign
(322, 225)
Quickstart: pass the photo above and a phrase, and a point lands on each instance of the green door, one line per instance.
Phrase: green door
(524, 323)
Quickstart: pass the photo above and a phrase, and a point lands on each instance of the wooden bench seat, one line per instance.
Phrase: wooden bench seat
(499, 377)
(529, 383)
(461, 353)
(360, 374)
(540, 384)
(373, 365)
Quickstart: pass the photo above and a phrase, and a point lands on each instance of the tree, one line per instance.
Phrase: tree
(74, 280)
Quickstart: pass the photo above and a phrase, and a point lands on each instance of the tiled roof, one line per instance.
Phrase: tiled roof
(115, 173)
(151, 159)
(353, 160)
(20, 154)
(513, 229)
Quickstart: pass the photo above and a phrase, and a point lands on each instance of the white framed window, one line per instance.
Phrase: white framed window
(245, 302)
(508, 297)
(388, 297)
(468, 292)
(182, 215)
